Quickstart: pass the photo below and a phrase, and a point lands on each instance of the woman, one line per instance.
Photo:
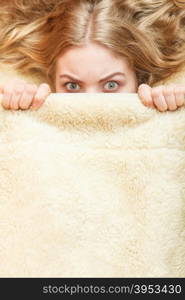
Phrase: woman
(95, 46)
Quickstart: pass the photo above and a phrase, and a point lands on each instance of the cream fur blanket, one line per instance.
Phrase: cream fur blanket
(92, 186)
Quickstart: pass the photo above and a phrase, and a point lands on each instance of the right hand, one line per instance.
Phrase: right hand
(18, 94)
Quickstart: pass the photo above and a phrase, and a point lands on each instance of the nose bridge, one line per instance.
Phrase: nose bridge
(91, 89)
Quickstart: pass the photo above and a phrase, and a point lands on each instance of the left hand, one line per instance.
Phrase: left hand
(162, 97)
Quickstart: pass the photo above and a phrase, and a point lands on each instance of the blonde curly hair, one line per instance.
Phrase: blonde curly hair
(149, 33)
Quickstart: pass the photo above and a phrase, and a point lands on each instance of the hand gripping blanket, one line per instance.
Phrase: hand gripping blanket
(92, 185)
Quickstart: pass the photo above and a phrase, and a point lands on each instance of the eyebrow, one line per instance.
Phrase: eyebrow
(103, 79)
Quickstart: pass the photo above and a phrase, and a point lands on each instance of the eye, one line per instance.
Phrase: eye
(111, 85)
(72, 86)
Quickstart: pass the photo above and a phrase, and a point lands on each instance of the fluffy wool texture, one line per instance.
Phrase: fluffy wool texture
(92, 185)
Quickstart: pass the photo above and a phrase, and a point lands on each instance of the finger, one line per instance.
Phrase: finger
(1, 93)
(27, 96)
(1, 88)
(179, 95)
(159, 99)
(144, 92)
(7, 95)
(170, 97)
(41, 95)
(17, 94)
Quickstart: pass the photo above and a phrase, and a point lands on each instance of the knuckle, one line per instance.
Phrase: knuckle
(30, 89)
(19, 82)
(7, 89)
(168, 90)
(34, 87)
(19, 89)
(157, 90)
(45, 86)
(178, 90)
(141, 86)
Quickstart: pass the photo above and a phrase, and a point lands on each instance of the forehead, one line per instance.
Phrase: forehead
(92, 58)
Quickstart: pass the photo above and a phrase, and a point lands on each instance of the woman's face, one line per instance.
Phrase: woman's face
(93, 69)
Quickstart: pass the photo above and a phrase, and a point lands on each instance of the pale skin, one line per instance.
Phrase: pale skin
(91, 68)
